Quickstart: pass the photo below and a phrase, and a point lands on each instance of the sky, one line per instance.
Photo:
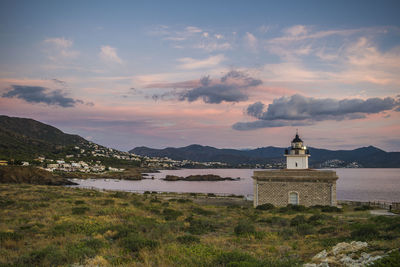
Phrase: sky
(228, 74)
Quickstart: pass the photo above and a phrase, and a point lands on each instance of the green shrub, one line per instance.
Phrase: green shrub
(10, 236)
(188, 239)
(275, 221)
(292, 208)
(137, 202)
(330, 209)
(363, 207)
(202, 211)
(234, 258)
(87, 248)
(171, 214)
(80, 210)
(184, 200)
(134, 243)
(305, 229)
(155, 200)
(266, 206)
(299, 219)
(327, 230)
(48, 256)
(107, 202)
(244, 228)
(318, 219)
(392, 260)
(120, 194)
(200, 226)
(286, 233)
(211, 195)
(79, 202)
(365, 232)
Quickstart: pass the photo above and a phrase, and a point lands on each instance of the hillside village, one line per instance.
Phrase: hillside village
(94, 158)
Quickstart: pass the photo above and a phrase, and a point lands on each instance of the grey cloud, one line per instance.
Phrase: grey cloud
(286, 111)
(37, 94)
(255, 109)
(245, 126)
(232, 87)
(60, 82)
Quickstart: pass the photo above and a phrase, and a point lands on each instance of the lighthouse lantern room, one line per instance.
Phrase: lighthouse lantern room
(297, 155)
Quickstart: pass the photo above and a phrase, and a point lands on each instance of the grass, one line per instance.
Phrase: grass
(59, 226)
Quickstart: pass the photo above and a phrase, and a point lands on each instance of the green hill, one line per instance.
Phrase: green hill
(25, 139)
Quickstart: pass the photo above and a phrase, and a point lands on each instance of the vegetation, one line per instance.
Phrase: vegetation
(60, 226)
(31, 175)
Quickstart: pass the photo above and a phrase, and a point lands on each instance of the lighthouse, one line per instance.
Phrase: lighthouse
(297, 155)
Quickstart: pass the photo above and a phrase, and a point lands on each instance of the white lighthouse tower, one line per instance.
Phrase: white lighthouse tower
(297, 155)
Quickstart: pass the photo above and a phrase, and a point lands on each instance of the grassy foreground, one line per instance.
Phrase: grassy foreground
(58, 226)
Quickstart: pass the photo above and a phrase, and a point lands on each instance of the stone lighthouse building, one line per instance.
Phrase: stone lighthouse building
(297, 184)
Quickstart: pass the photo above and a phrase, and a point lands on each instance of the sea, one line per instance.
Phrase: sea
(353, 184)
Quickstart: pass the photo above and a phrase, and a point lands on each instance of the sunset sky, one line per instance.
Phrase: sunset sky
(229, 74)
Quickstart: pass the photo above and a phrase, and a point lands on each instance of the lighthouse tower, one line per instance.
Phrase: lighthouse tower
(297, 155)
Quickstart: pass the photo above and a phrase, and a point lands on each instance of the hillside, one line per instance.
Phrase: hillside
(30, 175)
(22, 138)
(368, 157)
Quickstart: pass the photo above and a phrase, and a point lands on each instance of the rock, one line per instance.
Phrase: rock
(344, 247)
(323, 254)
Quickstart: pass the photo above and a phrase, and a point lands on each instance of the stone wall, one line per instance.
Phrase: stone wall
(312, 187)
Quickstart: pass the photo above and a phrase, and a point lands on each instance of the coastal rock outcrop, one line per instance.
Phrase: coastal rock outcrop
(206, 177)
(344, 254)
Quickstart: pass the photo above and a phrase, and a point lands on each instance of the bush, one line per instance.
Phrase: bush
(244, 228)
(134, 243)
(199, 227)
(266, 206)
(170, 214)
(286, 233)
(299, 219)
(234, 258)
(365, 232)
(291, 208)
(188, 239)
(305, 229)
(363, 207)
(327, 230)
(392, 260)
(79, 210)
(107, 202)
(48, 256)
(87, 248)
(184, 200)
(120, 194)
(317, 219)
(276, 221)
(79, 202)
(10, 236)
(202, 211)
(331, 209)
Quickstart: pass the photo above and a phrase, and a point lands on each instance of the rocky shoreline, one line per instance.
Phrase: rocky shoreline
(206, 177)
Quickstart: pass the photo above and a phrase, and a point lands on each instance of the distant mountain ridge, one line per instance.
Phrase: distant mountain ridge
(368, 157)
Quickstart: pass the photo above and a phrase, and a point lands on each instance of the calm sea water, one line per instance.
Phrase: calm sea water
(353, 184)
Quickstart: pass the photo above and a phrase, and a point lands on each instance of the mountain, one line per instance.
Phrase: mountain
(22, 138)
(368, 157)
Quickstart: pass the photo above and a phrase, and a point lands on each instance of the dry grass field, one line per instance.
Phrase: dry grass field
(61, 226)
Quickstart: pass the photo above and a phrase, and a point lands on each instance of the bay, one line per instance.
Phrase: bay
(353, 184)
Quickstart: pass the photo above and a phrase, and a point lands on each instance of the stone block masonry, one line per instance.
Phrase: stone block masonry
(303, 187)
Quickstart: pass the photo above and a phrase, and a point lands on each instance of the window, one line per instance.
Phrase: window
(294, 198)
(296, 164)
